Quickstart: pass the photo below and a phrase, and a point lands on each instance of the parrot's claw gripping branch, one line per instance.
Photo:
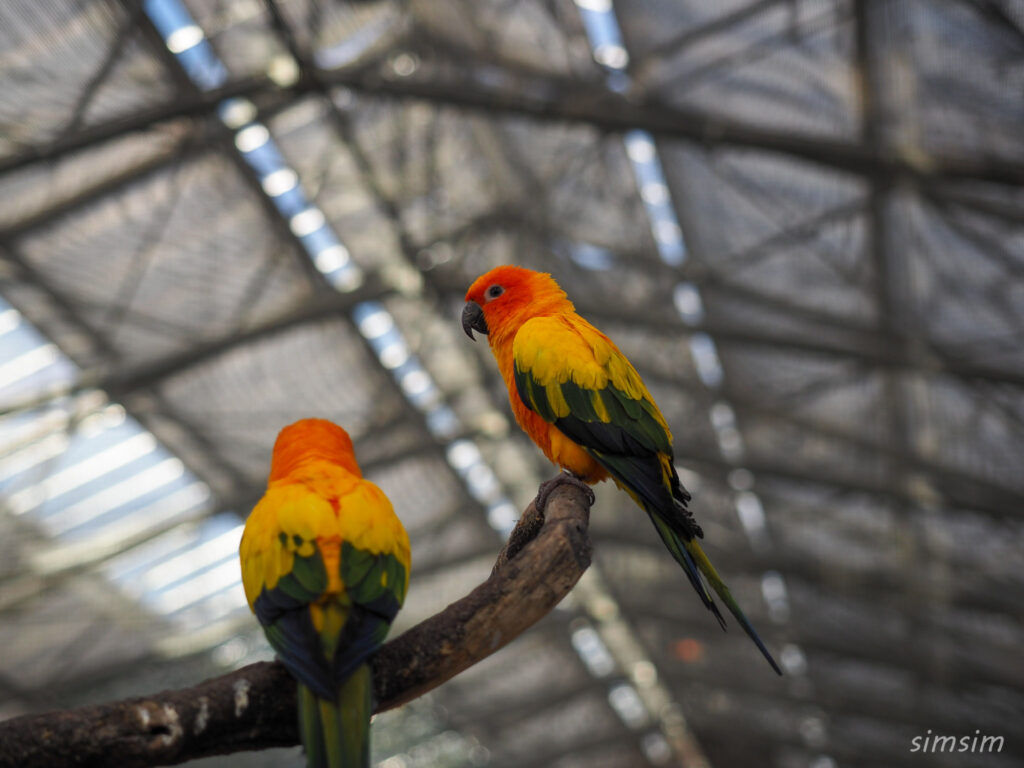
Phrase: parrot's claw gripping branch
(562, 478)
(545, 556)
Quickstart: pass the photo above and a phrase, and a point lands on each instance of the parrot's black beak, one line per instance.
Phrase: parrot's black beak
(473, 319)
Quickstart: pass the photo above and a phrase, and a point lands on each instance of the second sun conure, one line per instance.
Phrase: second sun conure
(325, 566)
(584, 404)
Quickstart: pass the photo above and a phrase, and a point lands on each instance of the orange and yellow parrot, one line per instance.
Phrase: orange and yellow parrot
(325, 566)
(582, 402)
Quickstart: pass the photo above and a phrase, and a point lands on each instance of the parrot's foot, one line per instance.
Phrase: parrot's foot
(548, 486)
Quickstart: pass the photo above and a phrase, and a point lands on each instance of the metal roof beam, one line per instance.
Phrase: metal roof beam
(124, 383)
(872, 349)
(179, 151)
(997, 502)
(588, 105)
(107, 351)
(950, 482)
(611, 112)
(923, 652)
(182, 106)
(860, 583)
(372, 290)
(689, 35)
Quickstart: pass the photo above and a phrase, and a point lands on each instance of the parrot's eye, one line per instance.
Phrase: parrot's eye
(495, 291)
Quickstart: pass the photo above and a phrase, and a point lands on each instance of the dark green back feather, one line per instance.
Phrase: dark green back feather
(632, 443)
(375, 590)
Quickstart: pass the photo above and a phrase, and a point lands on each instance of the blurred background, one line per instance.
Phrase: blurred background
(803, 220)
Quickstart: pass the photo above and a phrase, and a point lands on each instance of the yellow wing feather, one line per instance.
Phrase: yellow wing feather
(294, 514)
(559, 348)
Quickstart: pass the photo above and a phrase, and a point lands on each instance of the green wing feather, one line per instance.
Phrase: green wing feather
(603, 406)
(592, 394)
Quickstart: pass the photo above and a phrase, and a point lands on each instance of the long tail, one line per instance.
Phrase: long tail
(688, 553)
(337, 735)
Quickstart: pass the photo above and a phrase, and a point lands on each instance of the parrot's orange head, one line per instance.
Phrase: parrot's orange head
(310, 440)
(501, 300)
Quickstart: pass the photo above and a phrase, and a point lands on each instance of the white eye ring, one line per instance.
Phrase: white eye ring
(495, 291)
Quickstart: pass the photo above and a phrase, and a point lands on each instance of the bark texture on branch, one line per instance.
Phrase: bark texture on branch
(254, 707)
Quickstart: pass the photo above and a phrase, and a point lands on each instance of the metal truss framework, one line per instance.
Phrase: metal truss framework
(893, 346)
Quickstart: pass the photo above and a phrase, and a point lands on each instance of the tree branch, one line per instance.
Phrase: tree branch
(254, 707)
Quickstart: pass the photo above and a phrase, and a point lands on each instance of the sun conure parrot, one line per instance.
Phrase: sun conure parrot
(582, 402)
(325, 566)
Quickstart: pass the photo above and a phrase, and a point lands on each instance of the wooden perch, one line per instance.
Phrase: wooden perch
(254, 707)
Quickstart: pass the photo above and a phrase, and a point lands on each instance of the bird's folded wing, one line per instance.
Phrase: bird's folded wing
(325, 602)
(574, 377)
